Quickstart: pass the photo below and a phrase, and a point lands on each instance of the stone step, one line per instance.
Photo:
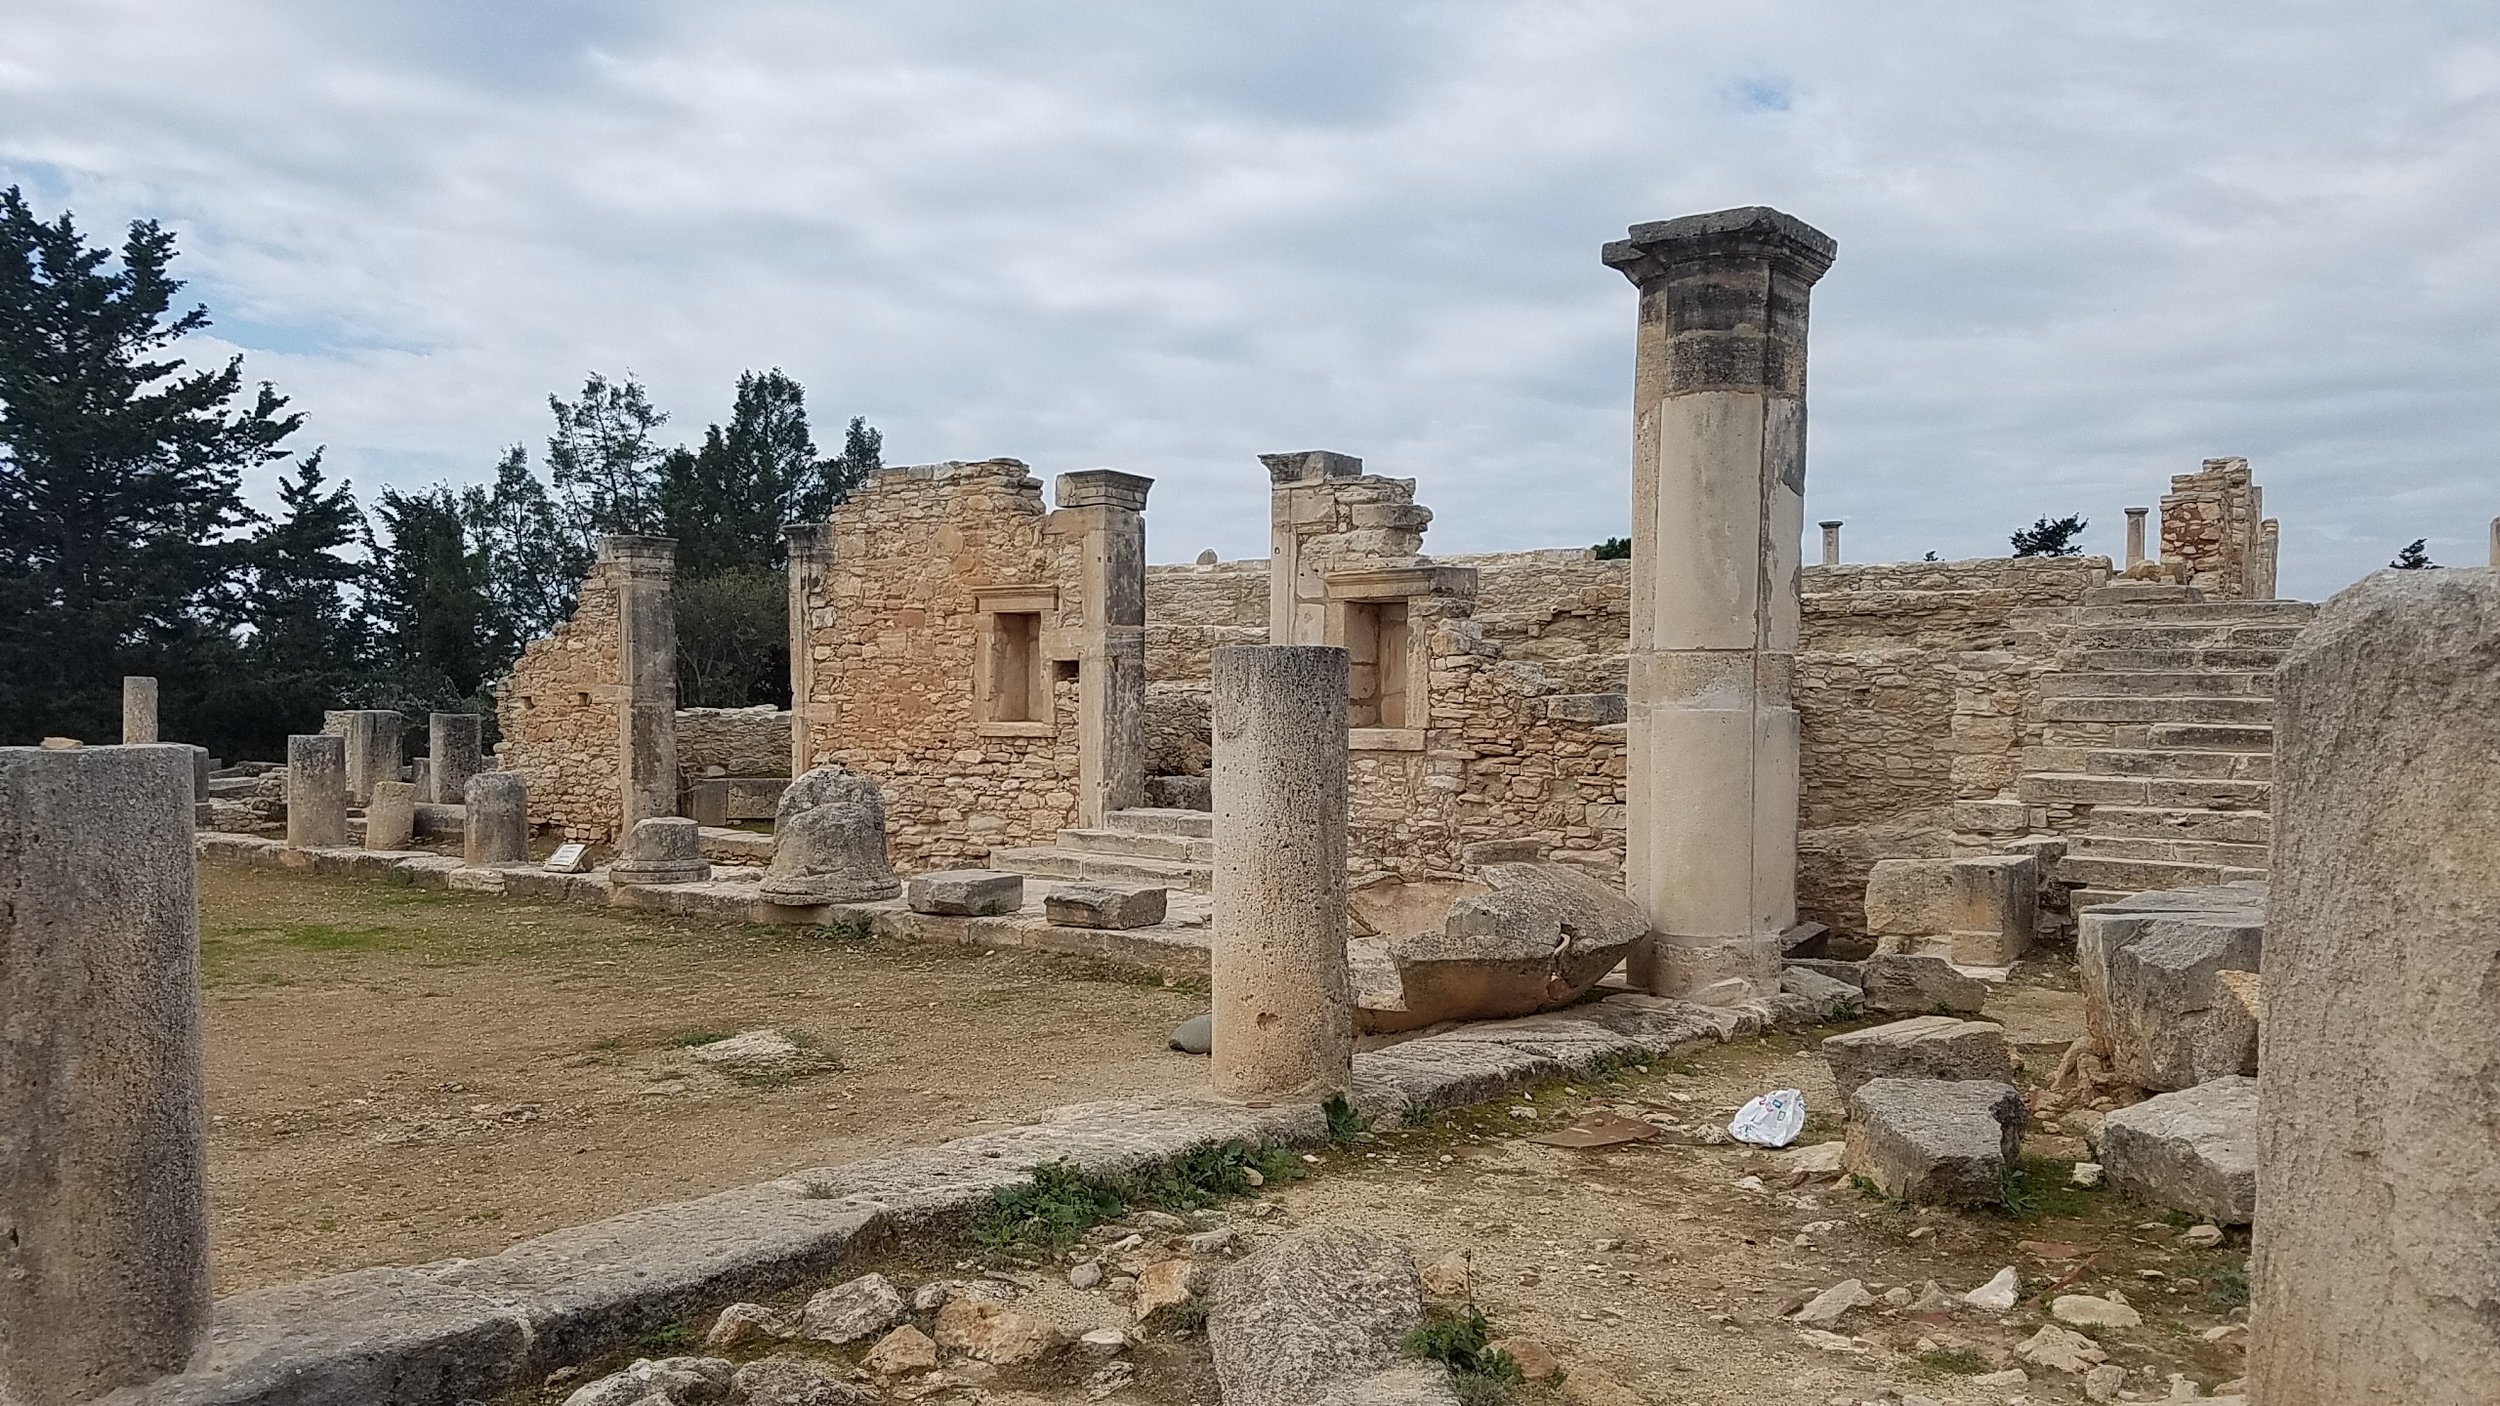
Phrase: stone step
(2172, 763)
(2096, 709)
(2219, 853)
(2199, 683)
(1139, 845)
(2239, 827)
(2084, 788)
(2084, 898)
(2135, 875)
(1153, 820)
(2162, 659)
(2212, 612)
(2180, 634)
(1052, 863)
(2213, 737)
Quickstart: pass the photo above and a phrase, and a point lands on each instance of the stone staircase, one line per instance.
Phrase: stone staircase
(1146, 845)
(2157, 744)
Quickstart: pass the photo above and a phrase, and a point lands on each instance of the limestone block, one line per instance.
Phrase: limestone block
(1317, 1318)
(391, 815)
(1909, 897)
(1101, 906)
(829, 842)
(2154, 1002)
(1995, 908)
(2379, 1134)
(965, 893)
(2194, 1150)
(1832, 999)
(138, 709)
(1933, 1140)
(455, 752)
(495, 819)
(1899, 983)
(316, 791)
(664, 849)
(1538, 936)
(1923, 1047)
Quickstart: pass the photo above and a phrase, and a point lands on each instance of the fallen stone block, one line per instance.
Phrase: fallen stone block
(2194, 1150)
(1923, 1047)
(1830, 999)
(1100, 906)
(1853, 973)
(1901, 983)
(1533, 937)
(964, 893)
(2155, 1002)
(1948, 1142)
(1317, 1318)
(1982, 909)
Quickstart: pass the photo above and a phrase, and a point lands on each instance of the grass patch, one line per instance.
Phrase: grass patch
(1344, 1124)
(2037, 1188)
(1050, 1212)
(338, 937)
(694, 1039)
(1481, 1374)
(1213, 1174)
(1864, 1186)
(667, 1340)
(1949, 1362)
(2227, 1288)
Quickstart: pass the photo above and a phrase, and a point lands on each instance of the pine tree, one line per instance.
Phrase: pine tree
(603, 459)
(533, 565)
(2413, 557)
(863, 448)
(303, 645)
(2050, 537)
(120, 477)
(427, 605)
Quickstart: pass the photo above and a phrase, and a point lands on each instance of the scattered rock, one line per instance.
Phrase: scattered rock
(1830, 998)
(787, 1381)
(1167, 1285)
(1164, 1221)
(2102, 1382)
(2086, 1175)
(2202, 1237)
(964, 893)
(1529, 937)
(1831, 1304)
(1536, 1361)
(905, 1350)
(992, 1333)
(928, 1298)
(1195, 1035)
(2194, 1150)
(1104, 1342)
(1828, 1342)
(1821, 1159)
(1906, 984)
(2085, 1311)
(1923, 1047)
(2154, 1000)
(2011, 1376)
(1085, 1275)
(1212, 1242)
(1931, 1140)
(1998, 1294)
(1101, 906)
(758, 1054)
(749, 1322)
(848, 1312)
(1932, 1299)
(2060, 1349)
(1449, 1277)
(669, 1381)
(1317, 1316)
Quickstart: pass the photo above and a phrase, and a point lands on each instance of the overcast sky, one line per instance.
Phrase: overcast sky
(2081, 246)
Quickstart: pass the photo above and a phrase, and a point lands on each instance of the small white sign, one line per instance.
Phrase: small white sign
(571, 857)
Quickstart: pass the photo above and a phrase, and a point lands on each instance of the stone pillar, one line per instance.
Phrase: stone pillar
(496, 829)
(455, 751)
(103, 1139)
(1831, 542)
(2261, 562)
(2135, 537)
(1284, 1014)
(811, 562)
(1102, 511)
(1718, 507)
(372, 751)
(1300, 500)
(665, 849)
(138, 709)
(2378, 1206)
(646, 710)
(391, 815)
(316, 790)
(2495, 541)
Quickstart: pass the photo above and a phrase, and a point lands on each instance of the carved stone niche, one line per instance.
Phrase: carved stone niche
(1378, 618)
(1011, 684)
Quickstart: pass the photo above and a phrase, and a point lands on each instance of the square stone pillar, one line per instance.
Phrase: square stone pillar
(372, 751)
(810, 547)
(1301, 501)
(316, 790)
(456, 751)
(2135, 537)
(1831, 542)
(138, 709)
(645, 572)
(1102, 512)
(1718, 510)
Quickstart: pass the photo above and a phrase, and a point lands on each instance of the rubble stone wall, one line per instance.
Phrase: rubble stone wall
(2210, 521)
(557, 712)
(739, 741)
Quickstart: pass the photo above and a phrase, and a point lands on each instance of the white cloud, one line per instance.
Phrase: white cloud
(2081, 248)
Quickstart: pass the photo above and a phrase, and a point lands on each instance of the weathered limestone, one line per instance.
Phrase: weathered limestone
(103, 1152)
(455, 749)
(1102, 512)
(1718, 507)
(1316, 1320)
(2262, 563)
(1538, 937)
(1981, 911)
(964, 893)
(1101, 906)
(391, 815)
(662, 849)
(2495, 542)
(2194, 1150)
(372, 751)
(497, 829)
(316, 790)
(2156, 1004)
(1923, 1047)
(2378, 1204)
(2210, 526)
(138, 709)
(829, 843)
(1284, 1022)
(1904, 983)
(1831, 542)
(2135, 537)
(646, 618)
(1932, 1140)
(810, 549)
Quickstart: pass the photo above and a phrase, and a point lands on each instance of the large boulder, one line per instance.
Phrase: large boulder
(2194, 1150)
(2155, 1003)
(1531, 937)
(1922, 1047)
(1934, 1140)
(1316, 1319)
(829, 843)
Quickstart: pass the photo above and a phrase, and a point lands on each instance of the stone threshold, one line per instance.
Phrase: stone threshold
(1175, 948)
(475, 1328)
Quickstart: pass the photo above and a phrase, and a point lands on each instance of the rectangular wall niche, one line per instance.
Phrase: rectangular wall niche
(1011, 687)
(1375, 643)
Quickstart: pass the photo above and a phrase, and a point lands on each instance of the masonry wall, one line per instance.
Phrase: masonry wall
(2210, 521)
(557, 712)
(734, 741)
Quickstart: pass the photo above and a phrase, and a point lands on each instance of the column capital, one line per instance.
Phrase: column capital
(640, 554)
(1102, 488)
(1310, 466)
(1749, 233)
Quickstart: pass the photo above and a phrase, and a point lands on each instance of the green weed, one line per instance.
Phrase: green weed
(1462, 1343)
(2226, 1288)
(1951, 1361)
(2036, 1188)
(667, 1340)
(1344, 1124)
(1050, 1212)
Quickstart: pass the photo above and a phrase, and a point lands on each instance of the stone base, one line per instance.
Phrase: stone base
(626, 871)
(818, 895)
(1711, 971)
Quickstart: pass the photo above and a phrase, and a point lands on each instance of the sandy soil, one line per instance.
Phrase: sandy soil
(398, 1075)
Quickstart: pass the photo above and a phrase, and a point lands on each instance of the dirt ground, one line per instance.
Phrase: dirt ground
(398, 1075)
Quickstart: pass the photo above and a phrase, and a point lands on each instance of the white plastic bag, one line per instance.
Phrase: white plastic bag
(1773, 1120)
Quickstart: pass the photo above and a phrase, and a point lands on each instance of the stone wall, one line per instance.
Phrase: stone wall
(2211, 521)
(558, 714)
(737, 741)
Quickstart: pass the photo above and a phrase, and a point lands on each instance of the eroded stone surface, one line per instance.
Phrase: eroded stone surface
(2192, 1150)
(1102, 906)
(1922, 1047)
(1538, 936)
(1903, 983)
(1312, 1318)
(661, 850)
(965, 893)
(2156, 1003)
(1934, 1140)
(829, 842)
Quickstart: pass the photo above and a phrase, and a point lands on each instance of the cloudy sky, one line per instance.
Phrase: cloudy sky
(2082, 246)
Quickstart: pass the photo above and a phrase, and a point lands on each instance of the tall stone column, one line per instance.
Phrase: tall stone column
(103, 1139)
(138, 709)
(646, 620)
(1718, 507)
(2135, 537)
(316, 790)
(1103, 511)
(372, 751)
(2261, 584)
(811, 562)
(1831, 542)
(1284, 1014)
(2377, 1254)
(455, 751)
(496, 829)
(2495, 541)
